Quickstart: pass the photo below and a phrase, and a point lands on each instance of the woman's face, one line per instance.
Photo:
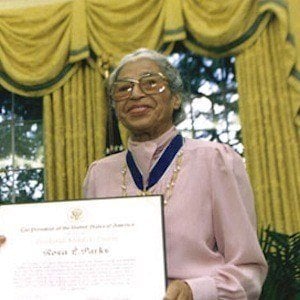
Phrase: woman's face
(146, 116)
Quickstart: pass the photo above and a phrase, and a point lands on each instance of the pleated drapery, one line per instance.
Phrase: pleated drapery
(74, 121)
(270, 136)
(63, 49)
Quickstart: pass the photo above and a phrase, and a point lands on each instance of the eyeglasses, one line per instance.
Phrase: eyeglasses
(150, 84)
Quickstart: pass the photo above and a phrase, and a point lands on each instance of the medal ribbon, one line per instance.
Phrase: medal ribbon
(160, 167)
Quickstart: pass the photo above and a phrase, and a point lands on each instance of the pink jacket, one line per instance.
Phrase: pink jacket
(210, 222)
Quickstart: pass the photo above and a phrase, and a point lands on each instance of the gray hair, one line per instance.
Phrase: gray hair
(172, 74)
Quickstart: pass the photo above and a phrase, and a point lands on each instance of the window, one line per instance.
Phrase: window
(212, 109)
(21, 149)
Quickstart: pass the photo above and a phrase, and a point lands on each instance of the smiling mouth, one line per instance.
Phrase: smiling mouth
(138, 109)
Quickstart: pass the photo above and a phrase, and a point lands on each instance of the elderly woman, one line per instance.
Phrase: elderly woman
(210, 224)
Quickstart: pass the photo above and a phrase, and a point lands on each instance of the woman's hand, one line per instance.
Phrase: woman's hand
(2, 239)
(178, 290)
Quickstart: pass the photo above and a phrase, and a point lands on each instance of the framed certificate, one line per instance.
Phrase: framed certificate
(96, 249)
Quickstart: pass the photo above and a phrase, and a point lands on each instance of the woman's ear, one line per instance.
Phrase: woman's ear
(176, 102)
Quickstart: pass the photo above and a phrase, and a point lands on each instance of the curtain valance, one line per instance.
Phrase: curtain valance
(40, 44)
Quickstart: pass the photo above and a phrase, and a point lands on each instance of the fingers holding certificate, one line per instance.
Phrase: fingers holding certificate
(91, 249)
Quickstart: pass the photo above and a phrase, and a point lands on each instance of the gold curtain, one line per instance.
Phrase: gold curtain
(41, 43)
(35, 50)
(269, 133)
(294, 76)
(45, 46)
(74, 121)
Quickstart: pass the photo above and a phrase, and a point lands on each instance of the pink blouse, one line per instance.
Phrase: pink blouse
(210, 222)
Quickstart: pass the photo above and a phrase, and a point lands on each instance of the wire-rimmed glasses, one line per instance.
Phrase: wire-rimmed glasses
(150, 84)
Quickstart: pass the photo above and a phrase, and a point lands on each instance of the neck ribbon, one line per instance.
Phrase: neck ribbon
(160, 167)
